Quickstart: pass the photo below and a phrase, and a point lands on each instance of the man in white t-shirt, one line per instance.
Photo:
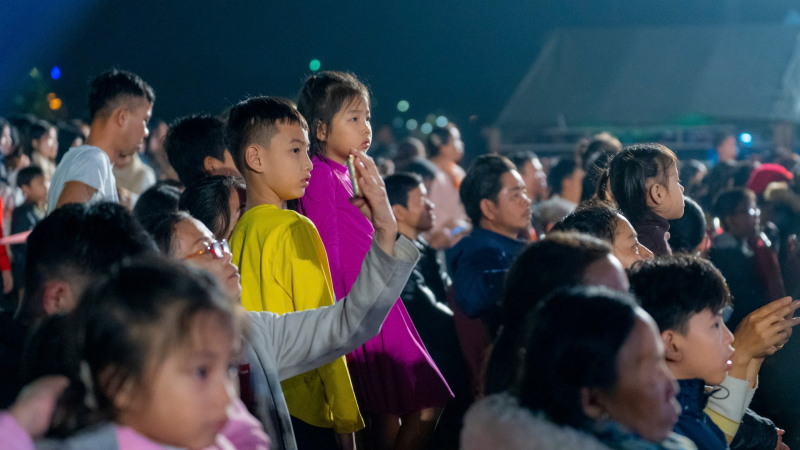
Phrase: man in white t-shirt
(120, 105)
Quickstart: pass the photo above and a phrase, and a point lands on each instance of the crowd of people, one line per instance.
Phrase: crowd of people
(271, 279)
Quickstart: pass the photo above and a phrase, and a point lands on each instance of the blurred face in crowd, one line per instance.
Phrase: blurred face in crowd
(453, 150)
(5, 140)
(643, 398)
(510, 214)
(703, 351)
(535, 179)
(183, 397)
(134, 125)
(36, 191)
(418, 215)
(47, 145)
(728, 150)
(190, 237)
(572, 186)
(626, 244)
(745, 221)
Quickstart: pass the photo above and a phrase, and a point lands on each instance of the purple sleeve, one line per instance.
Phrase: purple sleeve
(319, 205)
(13, 435)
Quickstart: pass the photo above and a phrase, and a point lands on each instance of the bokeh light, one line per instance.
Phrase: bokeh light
(426, 128)
(314, 65)
(402, 106)
(51, 96)
(55, 103)
(55, 73)
(746, 138)
(441, 121)
(411, 124)
(398, 122)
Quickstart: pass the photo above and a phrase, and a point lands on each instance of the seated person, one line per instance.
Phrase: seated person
(494, 197)
(561, 260)
(594, 378)
(566, 186)
(196, 148)
(605, 222)
(686, 296)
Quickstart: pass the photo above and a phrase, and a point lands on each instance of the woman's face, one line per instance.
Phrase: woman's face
(643, 399)
(5, 140)
(191, 236)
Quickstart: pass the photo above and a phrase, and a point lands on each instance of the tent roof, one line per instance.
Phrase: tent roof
(659, 76)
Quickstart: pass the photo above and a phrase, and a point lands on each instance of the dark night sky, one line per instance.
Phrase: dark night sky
(455, 58)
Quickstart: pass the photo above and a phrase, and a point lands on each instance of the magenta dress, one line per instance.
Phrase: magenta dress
(392, 373)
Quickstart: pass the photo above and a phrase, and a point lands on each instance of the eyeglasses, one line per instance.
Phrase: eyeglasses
(218, 249)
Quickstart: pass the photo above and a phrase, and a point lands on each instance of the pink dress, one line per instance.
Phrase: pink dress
(392, 373)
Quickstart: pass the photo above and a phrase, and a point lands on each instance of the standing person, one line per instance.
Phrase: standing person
(445, 149)
(643, 181)
(393, 375)
(120, 105)
(43, 147)
(726, 148)
(196, 148)
(26, 216)
(282, 259)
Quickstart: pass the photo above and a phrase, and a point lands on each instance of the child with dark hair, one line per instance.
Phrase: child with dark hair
(445, 150)
(643, 181)
(686, 296)
(120, 105)
(282, 258)
(26, 216)
(566, 184)
(217, 201)
(744, 254)
(689, 234)
(605, 222)
(394, 377)
(196, 148)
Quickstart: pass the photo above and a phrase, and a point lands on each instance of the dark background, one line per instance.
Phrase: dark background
(458, 58)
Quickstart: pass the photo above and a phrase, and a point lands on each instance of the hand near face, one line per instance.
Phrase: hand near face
(765, 330)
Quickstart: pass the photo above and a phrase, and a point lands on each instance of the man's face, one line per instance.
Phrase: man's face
(134, 128)
(420, 214)
(513, 207)
(36, 191)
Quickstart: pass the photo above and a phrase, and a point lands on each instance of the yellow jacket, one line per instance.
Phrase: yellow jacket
(284, 268)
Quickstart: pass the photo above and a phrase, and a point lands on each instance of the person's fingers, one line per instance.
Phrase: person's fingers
(783, 312)
(368, 163)
(771, 307)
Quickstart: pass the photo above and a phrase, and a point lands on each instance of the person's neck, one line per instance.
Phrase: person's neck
(258, 193)
(104, 140)
(333, 156)
(407, 230)
(679, 371)
(500, 229)
(441, 162)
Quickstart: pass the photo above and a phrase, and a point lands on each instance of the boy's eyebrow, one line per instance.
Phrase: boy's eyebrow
(300, 141)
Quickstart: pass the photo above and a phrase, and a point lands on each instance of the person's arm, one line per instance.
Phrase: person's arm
(477, 282)
(75, 192)
(305, 340)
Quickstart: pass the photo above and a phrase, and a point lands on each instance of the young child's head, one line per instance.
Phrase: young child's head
(195, 146)
(686, 296)
(738, 213)
(268, 140)
(43, 139)
(605, 222)
(153, 346)
(216, 201)
(410, 204)
(337, 107)
(642, 178)
(31, 181)
(445, 143)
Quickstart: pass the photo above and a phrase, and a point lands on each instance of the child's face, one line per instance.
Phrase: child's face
(626, 244)
(184, 398)
(705, 350)
(285, 164)
(37, 190)
(350, 129)
(673, 209)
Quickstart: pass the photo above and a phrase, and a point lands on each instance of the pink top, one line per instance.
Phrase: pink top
(243, 431)
(392, 372)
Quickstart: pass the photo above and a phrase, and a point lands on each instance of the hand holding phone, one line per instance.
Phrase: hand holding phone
(353, 177)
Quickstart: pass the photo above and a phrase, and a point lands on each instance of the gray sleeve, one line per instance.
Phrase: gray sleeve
(305, 340)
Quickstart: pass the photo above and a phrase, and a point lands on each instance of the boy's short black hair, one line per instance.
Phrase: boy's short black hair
(598, 219)
(675, 288)
(255, 120)
(113, 85)
(730, 200)
(190, 140)
(399, 185)
(26, 175)
(562, 170)
(483, 181)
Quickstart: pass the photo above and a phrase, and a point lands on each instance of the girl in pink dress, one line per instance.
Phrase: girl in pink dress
(393, 375)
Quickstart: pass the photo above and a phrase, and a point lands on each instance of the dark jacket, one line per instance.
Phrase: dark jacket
(652, 230)
(12, 342)
(23, 218)
(755, 433)
(693, 422)
(479, 263)
(736, 261)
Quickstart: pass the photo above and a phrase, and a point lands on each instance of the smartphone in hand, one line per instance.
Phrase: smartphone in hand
(353, 177)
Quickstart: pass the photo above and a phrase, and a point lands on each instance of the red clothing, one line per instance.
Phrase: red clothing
(5, 263)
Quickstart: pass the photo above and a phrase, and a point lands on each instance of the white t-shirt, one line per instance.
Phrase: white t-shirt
(89, 165)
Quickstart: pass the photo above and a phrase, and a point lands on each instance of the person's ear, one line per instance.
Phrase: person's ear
(399, 212)
(121, 115)
(322, 131)
(254, 159)
(591, 404)
(672, 345)
(57, 297)
(124, 399)
(656, 195)
(488, 209)
(211, 165)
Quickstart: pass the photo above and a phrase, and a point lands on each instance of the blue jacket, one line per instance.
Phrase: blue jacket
(478, 264)
(693, 422)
